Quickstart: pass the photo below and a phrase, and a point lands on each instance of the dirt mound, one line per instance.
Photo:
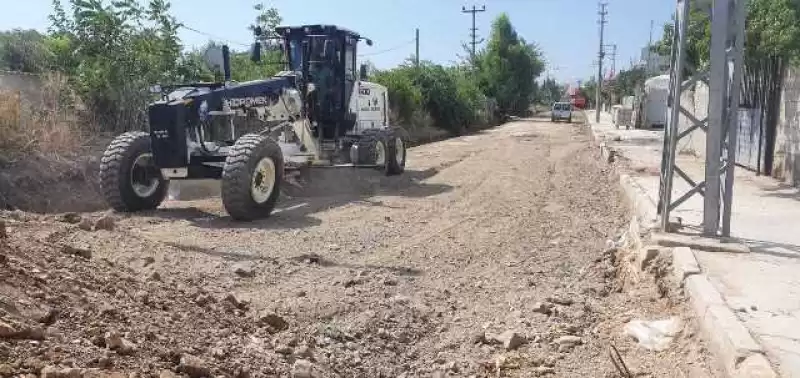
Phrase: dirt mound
(47, 184)
(61, 308)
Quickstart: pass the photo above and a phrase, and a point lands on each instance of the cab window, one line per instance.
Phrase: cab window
(349, 62)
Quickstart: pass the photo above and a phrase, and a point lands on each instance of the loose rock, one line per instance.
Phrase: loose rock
(479, 337)
(245, 269)
(510, 339)
(302, 369)
(72, 218)
(149, 260)
(543, 308)
(76, 251)
(167, 374)
(193, 366)
(6, 370)
(543, 370)
(116, 342)
(55, 372)
(85, 224)
(231, 300)
(105, 222)
(98, 373)
(7, 331)
(304, 352)
(566, 343)
(561, 300)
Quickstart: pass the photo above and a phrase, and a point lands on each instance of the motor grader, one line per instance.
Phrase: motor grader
(318, 112)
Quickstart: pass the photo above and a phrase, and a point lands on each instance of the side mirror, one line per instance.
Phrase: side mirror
(226, 62)
(327, 49)
(213, 57)
(362, 74)
(255, 52)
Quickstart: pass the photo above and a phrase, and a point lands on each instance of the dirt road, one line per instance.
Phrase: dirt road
(486, 259)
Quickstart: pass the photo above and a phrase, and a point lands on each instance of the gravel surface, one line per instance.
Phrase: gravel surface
(489, 257)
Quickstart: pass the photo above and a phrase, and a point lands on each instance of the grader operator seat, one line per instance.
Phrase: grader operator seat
(327, 59)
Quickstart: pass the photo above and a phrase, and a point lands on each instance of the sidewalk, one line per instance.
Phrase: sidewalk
(762, 287)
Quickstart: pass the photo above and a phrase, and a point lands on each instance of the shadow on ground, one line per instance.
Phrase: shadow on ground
(308, 258)
(327, 189)
(773, 248)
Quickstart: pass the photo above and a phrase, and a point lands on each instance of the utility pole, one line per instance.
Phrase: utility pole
(600, 55)
(649, 50)
(416, 56)
(613, 54)
(614, 59)
(474, 30)
(723, 75)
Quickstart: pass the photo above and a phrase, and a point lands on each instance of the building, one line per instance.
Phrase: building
(654, 63)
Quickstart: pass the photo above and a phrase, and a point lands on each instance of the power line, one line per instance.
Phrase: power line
(213, 36)
(404, 44)
(474, 30)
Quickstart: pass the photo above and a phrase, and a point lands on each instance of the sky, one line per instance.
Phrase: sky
(565, 30)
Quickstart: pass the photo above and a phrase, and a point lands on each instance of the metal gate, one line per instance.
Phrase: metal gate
(750, 146)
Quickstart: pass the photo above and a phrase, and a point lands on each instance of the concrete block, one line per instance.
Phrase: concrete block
(684, 264)
(755, 366)
(702, 293)
(728, 338)
(641, 205)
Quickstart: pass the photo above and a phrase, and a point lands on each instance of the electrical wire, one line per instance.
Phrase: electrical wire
(404, 44)
(214, 36)
(209, 35)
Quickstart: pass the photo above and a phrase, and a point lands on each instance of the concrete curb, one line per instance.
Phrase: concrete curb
(739, 354)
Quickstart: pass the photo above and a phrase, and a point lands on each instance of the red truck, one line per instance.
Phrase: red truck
(576, 98)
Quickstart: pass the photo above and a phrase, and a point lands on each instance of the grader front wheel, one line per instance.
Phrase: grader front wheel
(252, 177)
(129, 178)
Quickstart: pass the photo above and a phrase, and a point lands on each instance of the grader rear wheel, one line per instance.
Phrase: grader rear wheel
(390, 154)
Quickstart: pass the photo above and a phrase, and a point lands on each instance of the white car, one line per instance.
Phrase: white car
(561, 110)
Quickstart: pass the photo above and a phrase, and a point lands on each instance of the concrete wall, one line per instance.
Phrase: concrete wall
(787, 146)
(787, 142)
(29, 86)
(696, 102)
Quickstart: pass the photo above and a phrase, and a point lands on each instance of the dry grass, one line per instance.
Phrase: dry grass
(39, 125)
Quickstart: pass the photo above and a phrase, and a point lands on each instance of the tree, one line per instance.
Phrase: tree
(627, 81)
(551, 91)
(589, 91)
(24, 50)
(508, 68)
(267, 19)
(115, 52)
(698, 31)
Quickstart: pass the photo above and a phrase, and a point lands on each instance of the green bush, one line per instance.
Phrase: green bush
(449, 95)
